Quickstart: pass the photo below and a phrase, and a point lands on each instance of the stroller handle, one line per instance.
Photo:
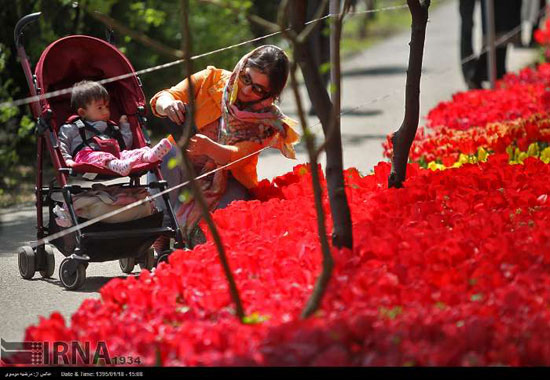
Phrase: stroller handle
(21, 24)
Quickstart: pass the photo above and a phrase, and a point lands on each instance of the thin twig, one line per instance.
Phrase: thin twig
(197, 192)
(138, 36)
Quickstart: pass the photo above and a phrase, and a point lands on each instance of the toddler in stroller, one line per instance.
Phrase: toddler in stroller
(63, 63)
(92, 138)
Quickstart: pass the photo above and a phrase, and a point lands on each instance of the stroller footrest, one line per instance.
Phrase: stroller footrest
(107, 235)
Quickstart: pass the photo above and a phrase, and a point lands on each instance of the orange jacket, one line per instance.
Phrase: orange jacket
(208, 86)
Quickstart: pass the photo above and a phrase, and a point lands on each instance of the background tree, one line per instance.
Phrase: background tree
(403, 138)
(342, 228)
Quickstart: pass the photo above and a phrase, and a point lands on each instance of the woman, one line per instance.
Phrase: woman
(235, 116)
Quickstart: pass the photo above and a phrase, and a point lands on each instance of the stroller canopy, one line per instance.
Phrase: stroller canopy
(75, 58)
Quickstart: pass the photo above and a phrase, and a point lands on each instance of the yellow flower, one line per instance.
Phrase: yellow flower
(545, 155)
(435, 166)
(522, 156)
(482, 154)
(533, 150)
(463, 158)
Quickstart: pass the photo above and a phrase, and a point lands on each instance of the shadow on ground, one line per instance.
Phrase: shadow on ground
(92, 284)
(347, 140)
(345, 112)
(376, 71)
(18, 233)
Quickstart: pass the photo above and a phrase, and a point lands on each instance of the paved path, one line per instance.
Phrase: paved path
(377, 73)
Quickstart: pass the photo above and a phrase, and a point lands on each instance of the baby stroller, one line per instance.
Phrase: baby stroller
(63, 63)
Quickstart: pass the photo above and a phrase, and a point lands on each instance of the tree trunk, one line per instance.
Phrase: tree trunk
(342, 228)
(403, 138)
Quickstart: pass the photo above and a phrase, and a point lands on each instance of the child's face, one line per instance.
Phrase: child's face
(95, 111)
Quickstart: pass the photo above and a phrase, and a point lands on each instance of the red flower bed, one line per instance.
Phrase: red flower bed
(542, 35)
(514, 115)
(517, 95)
(453, 269)
(446, 144)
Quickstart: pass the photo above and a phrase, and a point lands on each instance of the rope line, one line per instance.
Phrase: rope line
(48, 95)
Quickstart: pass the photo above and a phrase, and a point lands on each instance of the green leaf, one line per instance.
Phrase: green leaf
(255, 318)
(476, 297)
(324, 68)
(391, 313)
(173, 162)
(185, 196)
(25, 126)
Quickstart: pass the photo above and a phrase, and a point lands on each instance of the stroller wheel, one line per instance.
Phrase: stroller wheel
(147, 261)
(50, 262)
(72, 273)
(127, 264)
(26, 260)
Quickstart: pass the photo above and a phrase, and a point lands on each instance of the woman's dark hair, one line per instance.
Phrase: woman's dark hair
(273, 62)
(84, 92)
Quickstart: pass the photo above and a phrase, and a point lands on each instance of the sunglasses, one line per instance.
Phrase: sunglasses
(256, 88)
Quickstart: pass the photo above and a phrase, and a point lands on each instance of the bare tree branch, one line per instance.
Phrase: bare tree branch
(197, 192)
(138, 36)
(304, 34)
(336, 36)
(322, 281)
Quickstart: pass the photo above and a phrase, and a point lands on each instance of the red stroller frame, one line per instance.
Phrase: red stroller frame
(63, 63)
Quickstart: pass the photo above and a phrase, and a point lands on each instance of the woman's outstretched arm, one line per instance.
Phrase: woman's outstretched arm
(201, 144)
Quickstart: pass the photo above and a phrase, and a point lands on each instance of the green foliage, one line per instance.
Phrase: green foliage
(15, 127)
(255, 318)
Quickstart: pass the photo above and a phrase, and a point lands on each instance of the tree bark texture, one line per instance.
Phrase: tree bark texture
(403, 138)
(342, 227)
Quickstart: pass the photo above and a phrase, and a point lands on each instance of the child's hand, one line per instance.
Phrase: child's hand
(123, 120)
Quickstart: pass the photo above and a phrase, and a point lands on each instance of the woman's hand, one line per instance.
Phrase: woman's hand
(176, 111)
(200, 144)
(171, 108)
